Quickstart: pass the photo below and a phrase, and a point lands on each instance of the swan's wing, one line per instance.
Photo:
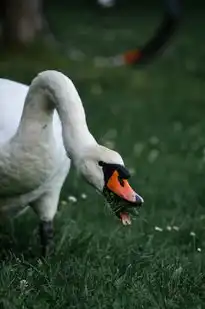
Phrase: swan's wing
(12, 98)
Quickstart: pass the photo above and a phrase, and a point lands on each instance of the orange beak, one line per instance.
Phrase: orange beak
(122, 188)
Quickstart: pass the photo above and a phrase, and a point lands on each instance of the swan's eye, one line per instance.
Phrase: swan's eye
(121, 181)
(101, 163)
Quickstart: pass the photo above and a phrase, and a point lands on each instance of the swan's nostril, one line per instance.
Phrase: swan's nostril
(139, 200)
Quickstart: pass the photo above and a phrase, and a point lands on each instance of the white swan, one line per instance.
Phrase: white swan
(42, 129)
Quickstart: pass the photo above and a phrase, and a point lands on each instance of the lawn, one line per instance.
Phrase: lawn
(154, 116)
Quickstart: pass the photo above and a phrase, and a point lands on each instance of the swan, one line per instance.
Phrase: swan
(43, 129)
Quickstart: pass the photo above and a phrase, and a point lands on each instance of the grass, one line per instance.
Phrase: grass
(155, 118)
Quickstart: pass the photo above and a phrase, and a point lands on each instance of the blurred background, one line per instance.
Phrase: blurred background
(154, 116)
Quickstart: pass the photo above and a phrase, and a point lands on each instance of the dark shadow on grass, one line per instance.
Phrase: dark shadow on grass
(18, 237)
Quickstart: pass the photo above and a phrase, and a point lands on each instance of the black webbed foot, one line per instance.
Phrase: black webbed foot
(46, 237)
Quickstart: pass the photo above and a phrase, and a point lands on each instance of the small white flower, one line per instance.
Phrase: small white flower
(153, 155)
(176, 228)
(72, 199)
(83, 196)
(169, 228)
(192, 234)
(40, 263)
(159, 229)
(199, 249)
(63, 203)
(23, 284)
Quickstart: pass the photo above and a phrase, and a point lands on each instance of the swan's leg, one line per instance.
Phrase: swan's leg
(46, 207)
(46, 236)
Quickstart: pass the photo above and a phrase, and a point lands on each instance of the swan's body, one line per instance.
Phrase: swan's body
(31, 169)
(42, 129)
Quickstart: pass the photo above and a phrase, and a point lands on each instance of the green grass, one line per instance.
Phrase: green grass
(155, 118)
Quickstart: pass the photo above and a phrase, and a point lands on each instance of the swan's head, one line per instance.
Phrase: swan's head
(104, 169)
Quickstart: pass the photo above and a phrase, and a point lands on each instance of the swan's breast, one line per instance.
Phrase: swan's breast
(23, 168)
(11, 205)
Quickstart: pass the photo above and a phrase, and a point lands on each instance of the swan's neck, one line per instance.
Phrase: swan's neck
(52, 90)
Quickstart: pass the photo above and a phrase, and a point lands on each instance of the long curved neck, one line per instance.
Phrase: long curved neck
(48, 91)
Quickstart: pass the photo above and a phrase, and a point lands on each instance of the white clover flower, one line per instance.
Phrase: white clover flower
(23, 285)
(63, 203)
(159, 229)
(153, 155)
(72, 199)
(83, 196)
